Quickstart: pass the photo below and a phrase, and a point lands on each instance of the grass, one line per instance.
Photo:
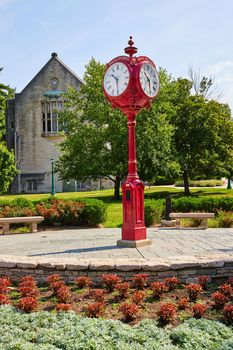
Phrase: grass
(114, 207)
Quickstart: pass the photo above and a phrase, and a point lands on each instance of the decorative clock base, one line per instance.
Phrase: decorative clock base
(133, 244)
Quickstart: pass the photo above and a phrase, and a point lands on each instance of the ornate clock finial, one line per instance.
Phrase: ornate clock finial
(131, 50)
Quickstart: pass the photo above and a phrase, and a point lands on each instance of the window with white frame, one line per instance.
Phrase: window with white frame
(50, 120)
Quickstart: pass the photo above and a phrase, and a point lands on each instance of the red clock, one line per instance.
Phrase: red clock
(130, 84)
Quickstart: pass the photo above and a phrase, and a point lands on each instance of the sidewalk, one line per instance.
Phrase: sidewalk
(92, 244)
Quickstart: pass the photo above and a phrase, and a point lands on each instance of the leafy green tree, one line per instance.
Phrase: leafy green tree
(203, 137)
(96, 135)
(7, 163)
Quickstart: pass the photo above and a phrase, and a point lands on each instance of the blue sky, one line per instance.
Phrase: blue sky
(176, 34)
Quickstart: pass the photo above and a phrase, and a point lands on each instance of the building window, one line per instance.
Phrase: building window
(50, 122)
(31, 185)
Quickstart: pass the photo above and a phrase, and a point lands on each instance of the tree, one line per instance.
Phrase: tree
(95, 143)
(204, 86)
(203, 137)
(7, 163)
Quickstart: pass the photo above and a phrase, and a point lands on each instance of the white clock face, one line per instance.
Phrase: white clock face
(116, 79)
(149, 80)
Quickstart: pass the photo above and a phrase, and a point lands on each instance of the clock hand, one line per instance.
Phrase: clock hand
(148, 79)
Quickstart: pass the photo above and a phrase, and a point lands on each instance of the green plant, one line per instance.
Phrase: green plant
(154, 211)
(94, 212)
(224, 219)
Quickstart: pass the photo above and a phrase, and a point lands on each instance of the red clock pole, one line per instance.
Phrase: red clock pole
(140, 77)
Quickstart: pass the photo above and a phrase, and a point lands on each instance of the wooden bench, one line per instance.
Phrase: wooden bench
(202, 216)
(32, 220)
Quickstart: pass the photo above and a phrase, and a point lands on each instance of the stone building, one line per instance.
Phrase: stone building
(33, 130)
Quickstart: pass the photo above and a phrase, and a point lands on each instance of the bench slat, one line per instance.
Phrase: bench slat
(22, 219)
(191, 215)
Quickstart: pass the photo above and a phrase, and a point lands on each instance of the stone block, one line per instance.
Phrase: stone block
(84, 265)
(154, 266)
(102, 265)
(214, 263)
(27, 265)
(186, 272)
(183, 265)
(8, 264)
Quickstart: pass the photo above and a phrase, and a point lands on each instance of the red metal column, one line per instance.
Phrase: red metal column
(133, 229)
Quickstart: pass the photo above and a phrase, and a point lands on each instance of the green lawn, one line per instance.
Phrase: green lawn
(114, 207)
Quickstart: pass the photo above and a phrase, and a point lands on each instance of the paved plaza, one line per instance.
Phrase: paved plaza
(94, 244)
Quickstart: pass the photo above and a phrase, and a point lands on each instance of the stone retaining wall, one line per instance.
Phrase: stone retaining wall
(186, 268)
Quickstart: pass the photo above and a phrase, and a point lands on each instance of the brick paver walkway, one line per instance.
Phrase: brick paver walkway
(101, 244)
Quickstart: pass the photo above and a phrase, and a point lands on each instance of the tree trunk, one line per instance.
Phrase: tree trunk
(117, 187)
(186, 183)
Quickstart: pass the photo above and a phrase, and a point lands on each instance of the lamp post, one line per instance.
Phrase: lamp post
(53, 193)
(130, 84)
(229, 187)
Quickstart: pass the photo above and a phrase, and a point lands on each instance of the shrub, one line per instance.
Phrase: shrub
(97, 295)
(166, 313)
(129, 311)
(123, 289)
(29, 291)
(154, 211)
(64, 307)
(94, 212)
(63, 294)
(206, 204)
(139, 281)
(53, 278)
(28, 304)
(83, 282)
(56, 285)
(182, 303)
(110, 281)
(228, 314)
(158, 288)
(193, 290)
(203, 281)
(226, 289)
(138, 297)
(224, 219)
(94, 310)
(201, 183)
(219, 300)
(199, 310)
(4, 299)
(171, 283)
(4, 285)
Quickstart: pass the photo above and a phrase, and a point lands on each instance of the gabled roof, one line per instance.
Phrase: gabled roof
(54, 56)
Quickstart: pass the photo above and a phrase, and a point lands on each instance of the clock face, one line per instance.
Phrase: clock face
(149, 80)
(116, 79)
(54, 82)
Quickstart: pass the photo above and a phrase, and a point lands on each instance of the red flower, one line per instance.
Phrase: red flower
(4, 299)
(193, 290)
(54, 278)
(28, 304)
(228, 314)
(199, 310)
(139, 281)
(95, 309)
(129, 311)
(171, 283)
(158, 288)
(97, 294)
(83, 281)
(226, 289)
(4, 285)
(110, 281)
(123, 289)
(182, 303)
(64, 307)
(63, 294)
(138, 297)
(203, 281)
(166, 313)
(219, 300)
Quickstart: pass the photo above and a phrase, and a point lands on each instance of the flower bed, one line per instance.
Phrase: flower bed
(166, 302)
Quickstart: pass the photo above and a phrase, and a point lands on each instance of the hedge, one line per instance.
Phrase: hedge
(57, 211)
(205, 204)
(201, 183)
(154, 211)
